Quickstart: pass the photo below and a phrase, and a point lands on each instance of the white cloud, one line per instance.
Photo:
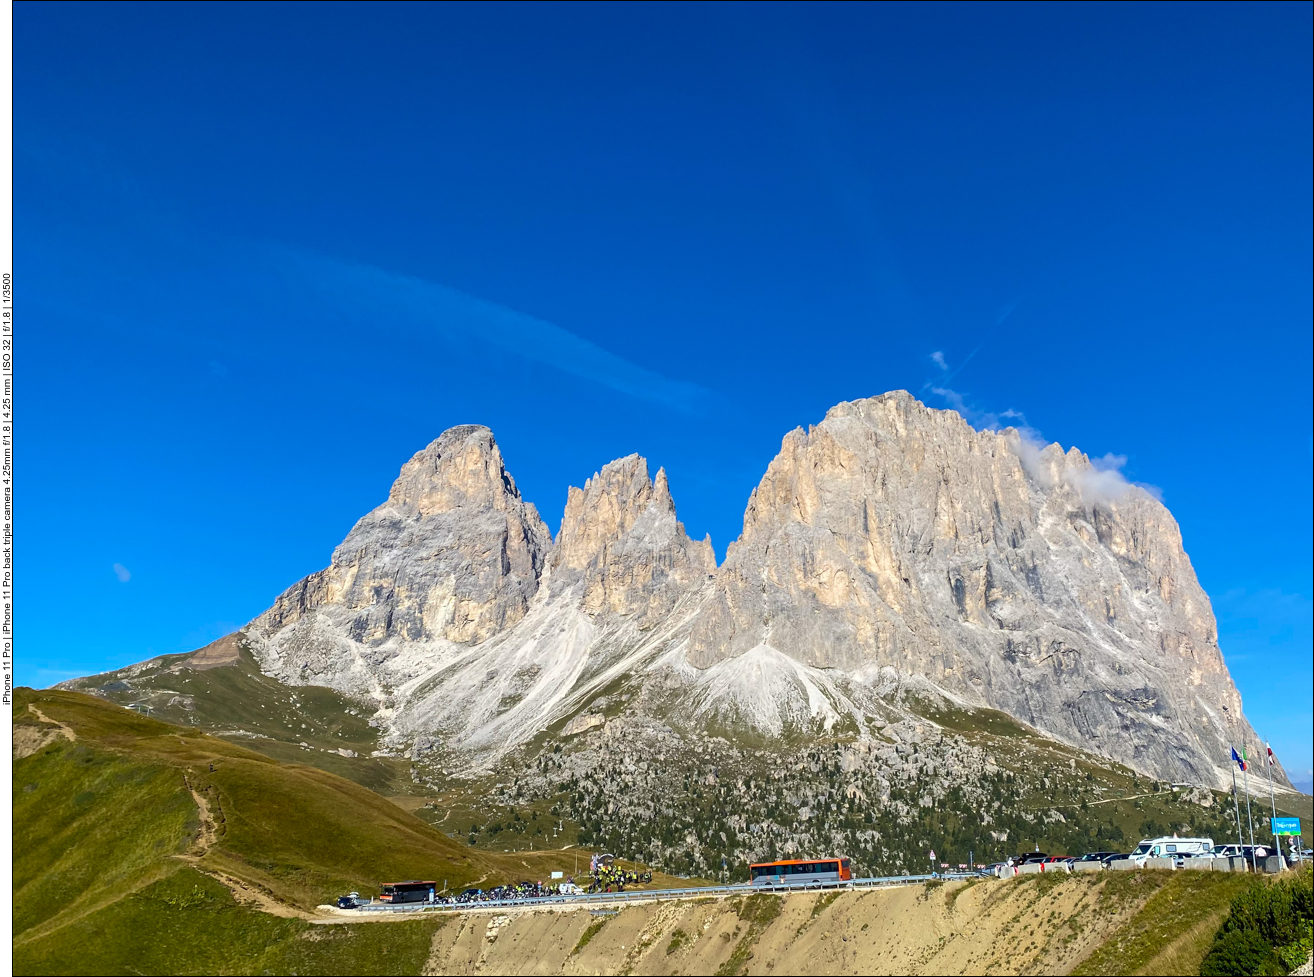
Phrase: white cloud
(1101, 480)
(122, 572)
(938, 359)
(979, 419)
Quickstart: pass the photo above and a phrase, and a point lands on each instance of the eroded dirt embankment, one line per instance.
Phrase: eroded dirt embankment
(1014, 927)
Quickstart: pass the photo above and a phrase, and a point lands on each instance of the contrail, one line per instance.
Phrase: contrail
(1004, 313)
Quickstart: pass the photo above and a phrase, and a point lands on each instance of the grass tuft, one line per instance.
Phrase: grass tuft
(593, 929)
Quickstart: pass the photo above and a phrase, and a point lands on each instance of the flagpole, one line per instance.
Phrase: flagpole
(1236, 808)
(1272, 799)
(1245, 776)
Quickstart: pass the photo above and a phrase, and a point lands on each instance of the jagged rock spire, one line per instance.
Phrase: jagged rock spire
(454, 553)
(622, 545)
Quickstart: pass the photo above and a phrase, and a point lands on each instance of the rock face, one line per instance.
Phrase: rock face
(454, 554)
(892, 549)
(898, 537)
(620, 540)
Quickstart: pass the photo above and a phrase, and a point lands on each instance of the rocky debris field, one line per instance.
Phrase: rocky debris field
(694, 804)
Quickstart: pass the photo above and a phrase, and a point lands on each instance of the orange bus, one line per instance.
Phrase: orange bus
(820, 871)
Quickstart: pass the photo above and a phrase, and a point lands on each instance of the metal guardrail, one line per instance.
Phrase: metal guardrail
(659, 895)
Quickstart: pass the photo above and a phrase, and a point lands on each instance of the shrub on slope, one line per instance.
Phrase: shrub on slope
(1269, 929)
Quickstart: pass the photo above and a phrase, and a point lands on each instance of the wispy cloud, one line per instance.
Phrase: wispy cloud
(404, 300)
(287, 280)
(938, 359)
(122, 572)
(982, 420)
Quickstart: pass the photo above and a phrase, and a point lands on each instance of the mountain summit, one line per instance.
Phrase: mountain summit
(893, 561)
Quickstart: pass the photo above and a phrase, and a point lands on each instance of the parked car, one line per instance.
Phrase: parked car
(1099, 856)
(1248, 852)
(1025, 857)
(1108, 859)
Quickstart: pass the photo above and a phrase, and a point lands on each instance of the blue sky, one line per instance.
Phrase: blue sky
(266, 253)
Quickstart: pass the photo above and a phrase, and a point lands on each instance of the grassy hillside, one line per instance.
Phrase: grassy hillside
(220, 690)
(145, 847)
(978, 786)
(188, 923)
(1173, 925)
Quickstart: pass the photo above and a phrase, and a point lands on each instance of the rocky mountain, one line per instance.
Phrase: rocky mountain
(893, 541)
(894, 562)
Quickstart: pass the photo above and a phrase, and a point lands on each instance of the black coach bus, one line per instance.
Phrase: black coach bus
(398, 892)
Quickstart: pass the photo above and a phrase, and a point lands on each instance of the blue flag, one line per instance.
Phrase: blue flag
(1239, 761)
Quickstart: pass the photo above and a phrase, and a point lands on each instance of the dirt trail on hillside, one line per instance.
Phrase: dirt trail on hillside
(1013, 927)
(244, 893)
(31, 739)
(209, 831)
(252, 896)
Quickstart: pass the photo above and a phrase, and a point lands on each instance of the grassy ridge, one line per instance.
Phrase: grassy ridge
(274, 718)
(299, 831)
(187, 923)
(1173, 929)
(111, 852)
(70, 801)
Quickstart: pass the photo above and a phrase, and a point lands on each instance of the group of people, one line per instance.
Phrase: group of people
(604, 877)
(609, 874)
(503, 893)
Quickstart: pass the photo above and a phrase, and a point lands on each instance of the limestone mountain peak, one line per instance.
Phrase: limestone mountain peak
(621, 542)
(461, 468)
(889, 547)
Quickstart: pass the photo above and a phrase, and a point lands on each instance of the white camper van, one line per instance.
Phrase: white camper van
(1171, 848)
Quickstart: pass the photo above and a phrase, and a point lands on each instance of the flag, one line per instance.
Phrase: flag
(1239, 760)
(1271, 759)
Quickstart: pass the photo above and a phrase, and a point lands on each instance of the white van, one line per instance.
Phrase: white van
(1171, 848)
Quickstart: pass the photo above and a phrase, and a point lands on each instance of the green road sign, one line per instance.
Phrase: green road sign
(1286, 826)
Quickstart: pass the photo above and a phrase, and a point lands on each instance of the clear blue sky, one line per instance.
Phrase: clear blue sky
(265, 253)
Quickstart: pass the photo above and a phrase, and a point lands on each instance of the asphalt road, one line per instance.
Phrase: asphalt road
(657, 895)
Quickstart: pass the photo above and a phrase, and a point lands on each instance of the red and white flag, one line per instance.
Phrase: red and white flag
(1271, 761)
